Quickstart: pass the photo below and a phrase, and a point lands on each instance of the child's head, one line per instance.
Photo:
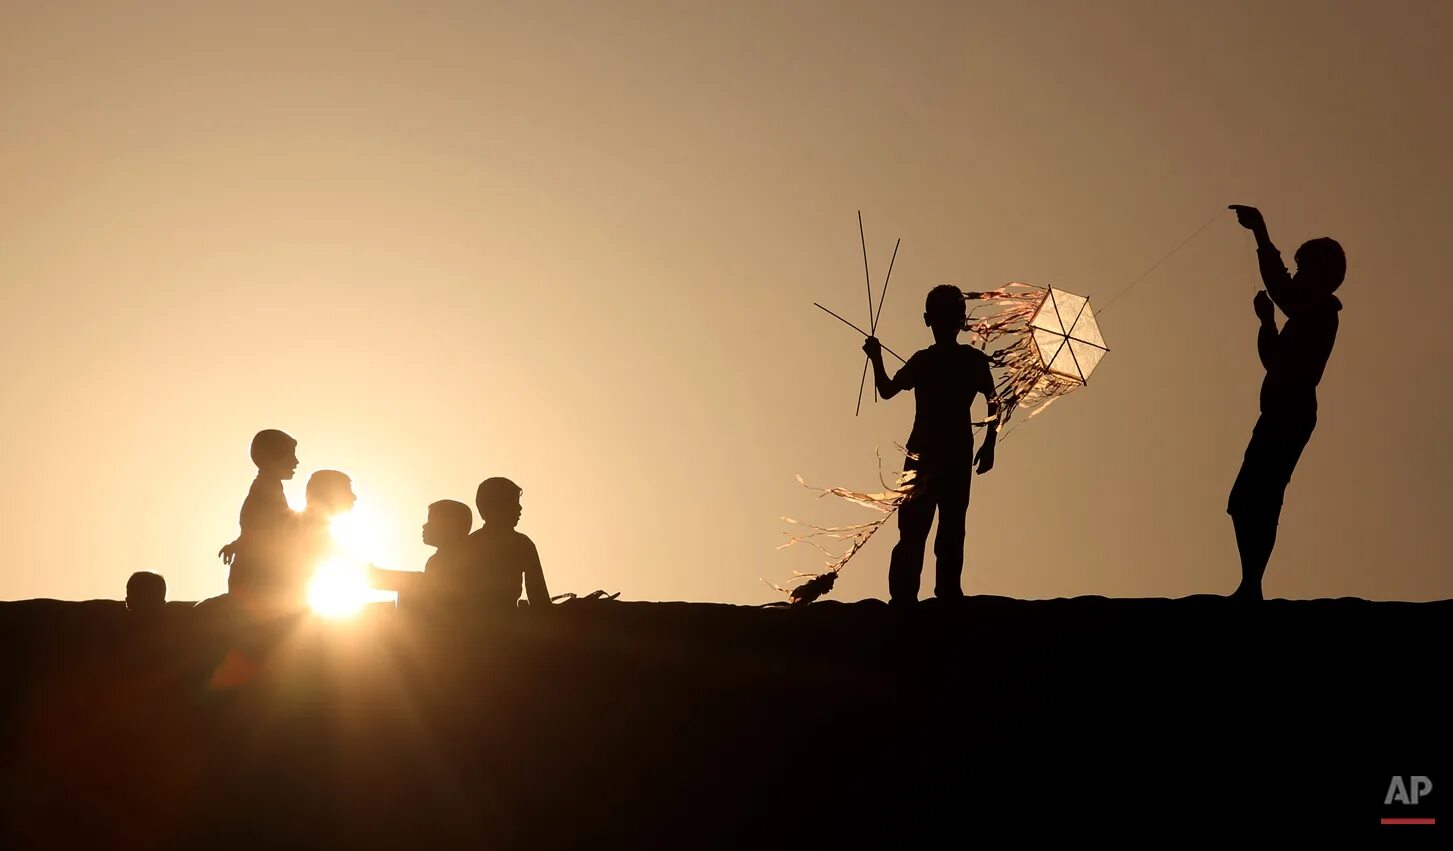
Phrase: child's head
(1321, 265)
(275, 453)
(944, 310)
(449, 521)
(330, 493)
(145, 593)
(498, 500)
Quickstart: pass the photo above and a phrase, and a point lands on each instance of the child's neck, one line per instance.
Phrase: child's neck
(945, 338)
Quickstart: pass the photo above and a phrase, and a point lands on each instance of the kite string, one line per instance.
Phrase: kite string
(1128, 287)
(1157, 264)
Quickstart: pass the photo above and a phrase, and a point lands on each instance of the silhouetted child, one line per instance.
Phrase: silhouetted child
(329, 493)
(944, 378)
(499, 556)
(1294, 359)
(265, 520)
(145, 594)
(445, 573)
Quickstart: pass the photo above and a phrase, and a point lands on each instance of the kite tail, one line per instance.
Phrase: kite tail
(856, 536)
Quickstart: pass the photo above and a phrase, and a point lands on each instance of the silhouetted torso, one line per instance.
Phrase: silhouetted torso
(495, 564)
(446, 580)
(266, 522)
(944, 380)
(1296, 357)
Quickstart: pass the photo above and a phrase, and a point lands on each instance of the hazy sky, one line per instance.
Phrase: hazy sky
(578, 245)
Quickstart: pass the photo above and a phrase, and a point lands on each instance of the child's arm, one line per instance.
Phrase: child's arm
(1266, 337)
(1274, 275)
(535, 590)
(985, 458)
(887, 387)
(403, 581)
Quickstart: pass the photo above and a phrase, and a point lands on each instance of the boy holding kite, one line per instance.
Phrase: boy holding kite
(944, 378)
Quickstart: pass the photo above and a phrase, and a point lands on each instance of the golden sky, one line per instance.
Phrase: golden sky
(578, 244)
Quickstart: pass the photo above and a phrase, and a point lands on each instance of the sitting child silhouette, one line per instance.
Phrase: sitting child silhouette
(444, 577)
(500, 557)
(145, 594)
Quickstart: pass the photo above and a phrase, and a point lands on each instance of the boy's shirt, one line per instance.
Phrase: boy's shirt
(498, 559)
(265, 506)
(944, 381)
(440, 584)
(1298, 355)
(266, 523)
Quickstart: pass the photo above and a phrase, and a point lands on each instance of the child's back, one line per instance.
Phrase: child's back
(499, 557)
(498, 562)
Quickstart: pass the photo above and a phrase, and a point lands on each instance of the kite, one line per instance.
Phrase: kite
(1044, 341)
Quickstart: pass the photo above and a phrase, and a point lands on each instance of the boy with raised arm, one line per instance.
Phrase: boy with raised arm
(1294, 358)
(944, 378)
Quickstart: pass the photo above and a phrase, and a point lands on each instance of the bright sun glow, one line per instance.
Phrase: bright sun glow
(340, 585)
(339, 588)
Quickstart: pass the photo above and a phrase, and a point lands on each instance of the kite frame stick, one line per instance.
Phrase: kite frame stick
(872, 320)
(886, 279)
(873, 314)
(856, 328)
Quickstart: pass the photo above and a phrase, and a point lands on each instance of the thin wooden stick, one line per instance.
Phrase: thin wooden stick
(882, 298)
(886, 279)
(859, 330)
(872, 319)
(861, 379)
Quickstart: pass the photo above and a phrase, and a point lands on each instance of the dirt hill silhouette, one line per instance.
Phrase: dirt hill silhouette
(689, 725)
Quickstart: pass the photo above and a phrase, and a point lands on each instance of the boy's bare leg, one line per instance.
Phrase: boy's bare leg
(1255, 538)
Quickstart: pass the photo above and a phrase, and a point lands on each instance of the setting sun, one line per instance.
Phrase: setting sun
(339, 588)
(340, 584)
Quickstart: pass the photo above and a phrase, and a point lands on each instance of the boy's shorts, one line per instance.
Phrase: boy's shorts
(1276, 445)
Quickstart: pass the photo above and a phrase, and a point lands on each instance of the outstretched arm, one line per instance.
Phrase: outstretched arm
(403, 581)
(1274, 275)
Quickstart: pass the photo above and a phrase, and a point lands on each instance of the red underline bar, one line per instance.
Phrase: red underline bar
(1409, 821)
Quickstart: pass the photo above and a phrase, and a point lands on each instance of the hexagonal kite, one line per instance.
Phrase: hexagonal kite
(1044, 339)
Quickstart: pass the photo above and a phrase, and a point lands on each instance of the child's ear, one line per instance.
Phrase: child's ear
(926, 320)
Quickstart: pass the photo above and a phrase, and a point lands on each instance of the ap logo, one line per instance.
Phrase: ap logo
(1417, 788)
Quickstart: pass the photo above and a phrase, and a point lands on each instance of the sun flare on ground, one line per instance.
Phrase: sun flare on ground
(340, 588)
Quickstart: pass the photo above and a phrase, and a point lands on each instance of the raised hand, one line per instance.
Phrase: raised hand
(1262, 304)
(873, 349)
(1249, 217)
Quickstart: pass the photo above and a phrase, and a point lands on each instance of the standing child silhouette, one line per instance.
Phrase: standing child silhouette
(1294, 359)
(265, 520)
(944, 378)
